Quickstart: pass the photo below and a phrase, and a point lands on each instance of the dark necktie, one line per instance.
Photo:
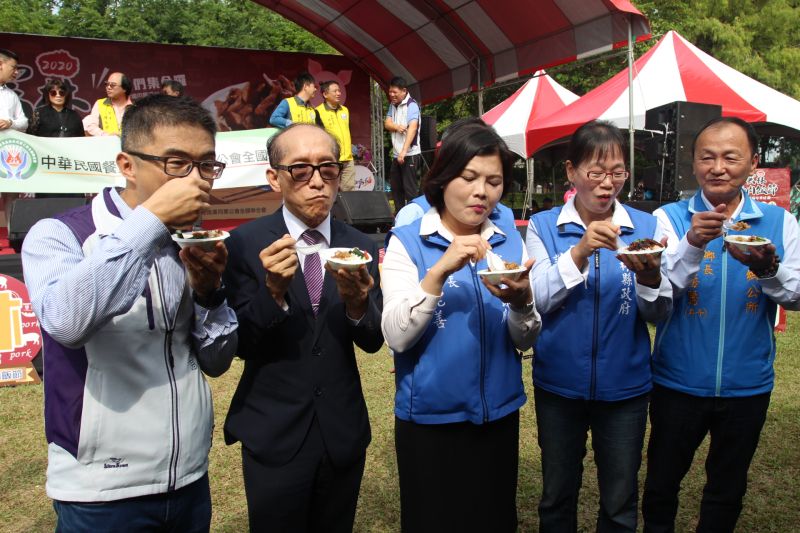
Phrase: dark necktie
(312, 269)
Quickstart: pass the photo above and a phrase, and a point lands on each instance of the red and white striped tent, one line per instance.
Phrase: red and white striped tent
(674, 69)
(516, 115)
(448, 47)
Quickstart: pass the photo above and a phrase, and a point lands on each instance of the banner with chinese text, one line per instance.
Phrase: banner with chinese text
(20, 335)
(240, 88)
(31, 164)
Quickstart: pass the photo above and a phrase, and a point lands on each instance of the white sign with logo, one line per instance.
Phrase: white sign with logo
(30, 164)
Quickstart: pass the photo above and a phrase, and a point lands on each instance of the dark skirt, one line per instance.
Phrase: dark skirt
(458, 477)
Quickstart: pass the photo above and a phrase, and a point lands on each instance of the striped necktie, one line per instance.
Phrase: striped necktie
(312, 269)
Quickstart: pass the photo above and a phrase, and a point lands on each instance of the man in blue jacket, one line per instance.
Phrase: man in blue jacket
(712, 363)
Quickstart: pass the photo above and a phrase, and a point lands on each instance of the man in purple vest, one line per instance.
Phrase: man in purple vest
(129, 323)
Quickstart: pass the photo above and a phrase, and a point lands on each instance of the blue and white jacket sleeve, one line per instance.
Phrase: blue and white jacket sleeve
(280, 117)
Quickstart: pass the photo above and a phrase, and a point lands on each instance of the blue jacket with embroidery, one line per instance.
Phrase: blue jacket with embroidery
(465, 366)
(719, 339)
(595, 346)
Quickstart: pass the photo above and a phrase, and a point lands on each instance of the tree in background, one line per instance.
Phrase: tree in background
(230, 23)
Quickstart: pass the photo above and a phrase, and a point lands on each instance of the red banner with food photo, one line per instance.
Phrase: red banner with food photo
(240, 88)
(772, 186)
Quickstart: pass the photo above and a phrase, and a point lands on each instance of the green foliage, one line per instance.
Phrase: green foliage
(26, 16)
(231, 23)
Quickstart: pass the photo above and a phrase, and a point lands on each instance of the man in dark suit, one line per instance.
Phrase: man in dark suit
(299, 411)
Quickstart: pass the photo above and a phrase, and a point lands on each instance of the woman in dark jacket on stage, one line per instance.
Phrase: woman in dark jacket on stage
(56, 118)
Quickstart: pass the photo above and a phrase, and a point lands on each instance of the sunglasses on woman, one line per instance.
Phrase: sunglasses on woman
(58, 92)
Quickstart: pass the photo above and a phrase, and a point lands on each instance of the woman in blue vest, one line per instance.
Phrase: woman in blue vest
(592, 359)
(456, 339)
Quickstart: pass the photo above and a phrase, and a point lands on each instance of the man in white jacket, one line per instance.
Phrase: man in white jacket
(129, 322)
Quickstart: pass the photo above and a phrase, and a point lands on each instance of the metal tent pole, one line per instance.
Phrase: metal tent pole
(480, 90)
(529, 190)
(630, 108)
(376, 103)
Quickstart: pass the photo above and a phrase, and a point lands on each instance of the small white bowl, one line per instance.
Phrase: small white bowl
(206, 244)
(347, 264)
(742, 242)
(494, 276)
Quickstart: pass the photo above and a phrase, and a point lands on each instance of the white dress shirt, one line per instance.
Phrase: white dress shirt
(683, 260)
(11, 109)
(552, 282)
(408, 309)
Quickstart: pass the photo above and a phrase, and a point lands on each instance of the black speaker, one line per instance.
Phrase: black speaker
(25, 212)
(648, 206)
(681, 121)
(368, 211)
(427, 134)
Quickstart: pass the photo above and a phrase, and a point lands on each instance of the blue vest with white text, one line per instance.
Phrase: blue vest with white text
(595, 346)
(719, 339)
(465, 366)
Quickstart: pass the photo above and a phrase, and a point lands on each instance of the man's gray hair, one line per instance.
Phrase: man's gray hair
(276, 152)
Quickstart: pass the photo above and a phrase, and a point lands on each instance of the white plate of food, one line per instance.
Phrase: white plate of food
(205, 239)
(494, 276)
(500, 268)
(346, 258)
(743, 242)
(642, 247)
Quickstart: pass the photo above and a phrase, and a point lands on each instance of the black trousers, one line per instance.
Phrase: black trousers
(458, 477)
(404, 180)
(308, 494)
(678, 424)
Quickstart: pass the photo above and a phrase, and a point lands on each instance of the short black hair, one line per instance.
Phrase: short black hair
(596, 138)
(325, 85)
(57, 83)
(156, 110)
(399, 82)
(175, 86)
(302, 79)
(750, 131)
(8, 54)
(459, 146)
(276, 152)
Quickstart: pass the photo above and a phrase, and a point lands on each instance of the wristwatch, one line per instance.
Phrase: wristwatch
(212, 300)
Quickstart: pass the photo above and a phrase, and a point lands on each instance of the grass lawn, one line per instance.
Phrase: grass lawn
(771, 504)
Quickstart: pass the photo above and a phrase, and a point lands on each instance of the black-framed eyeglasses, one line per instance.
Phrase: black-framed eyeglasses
(58, 92)
(618, 176)
(329, 171)
(180, 167)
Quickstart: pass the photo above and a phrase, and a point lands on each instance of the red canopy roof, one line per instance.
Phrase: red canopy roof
(516, 115)
(437, 45)
(674, 69)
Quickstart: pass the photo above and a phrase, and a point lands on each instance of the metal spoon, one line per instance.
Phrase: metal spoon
(308, 249)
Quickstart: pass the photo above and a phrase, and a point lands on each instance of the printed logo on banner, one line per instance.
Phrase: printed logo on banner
(61, 63)
(18, 160)
(342, 78)
(20, 335)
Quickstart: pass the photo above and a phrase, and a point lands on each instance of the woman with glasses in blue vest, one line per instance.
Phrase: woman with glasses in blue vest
(591, 366)
(456, 340)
